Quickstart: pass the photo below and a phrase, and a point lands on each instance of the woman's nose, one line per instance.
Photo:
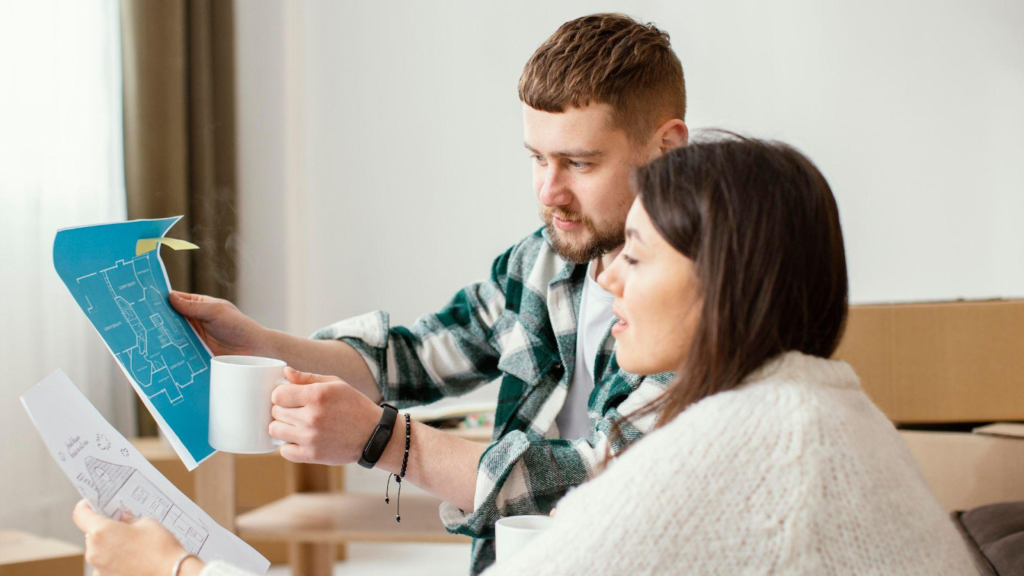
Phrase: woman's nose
(609, 278)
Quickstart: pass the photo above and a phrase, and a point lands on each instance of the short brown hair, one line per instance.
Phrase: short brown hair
(610, 59)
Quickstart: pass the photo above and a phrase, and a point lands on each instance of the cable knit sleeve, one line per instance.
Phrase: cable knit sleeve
(660, 491)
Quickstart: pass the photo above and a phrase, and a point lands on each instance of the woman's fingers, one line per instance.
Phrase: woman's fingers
(87, 520)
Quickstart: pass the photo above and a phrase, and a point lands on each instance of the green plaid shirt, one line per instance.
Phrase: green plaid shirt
(520, 326)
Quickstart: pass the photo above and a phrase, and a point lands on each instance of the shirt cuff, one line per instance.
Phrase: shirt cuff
(368, 334)
(501, 490)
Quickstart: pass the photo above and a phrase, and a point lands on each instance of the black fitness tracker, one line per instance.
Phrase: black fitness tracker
(379, 439)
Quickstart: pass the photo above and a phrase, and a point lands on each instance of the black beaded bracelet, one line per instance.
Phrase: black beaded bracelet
(399, 476)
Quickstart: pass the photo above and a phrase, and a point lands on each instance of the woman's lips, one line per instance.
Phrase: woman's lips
(619, 327)
(565, 224)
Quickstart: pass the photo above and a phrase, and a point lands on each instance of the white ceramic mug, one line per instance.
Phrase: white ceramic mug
(240, 390)
(513, 532)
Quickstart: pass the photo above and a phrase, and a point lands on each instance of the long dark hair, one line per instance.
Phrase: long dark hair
(762, 227)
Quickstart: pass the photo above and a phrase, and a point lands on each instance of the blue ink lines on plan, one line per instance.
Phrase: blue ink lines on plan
(142, 331)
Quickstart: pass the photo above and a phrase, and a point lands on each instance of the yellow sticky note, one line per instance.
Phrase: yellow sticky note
(148, 244)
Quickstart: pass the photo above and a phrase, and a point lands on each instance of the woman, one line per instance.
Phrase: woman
(769, 459)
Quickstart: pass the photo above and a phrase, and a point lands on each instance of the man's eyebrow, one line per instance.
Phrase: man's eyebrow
(578, 153)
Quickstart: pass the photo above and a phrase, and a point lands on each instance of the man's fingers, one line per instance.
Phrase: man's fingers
(287, 415)
(296, 453)
(291, 396)
(189, 296)
(285, 432)
(296, 377)
(87, 520)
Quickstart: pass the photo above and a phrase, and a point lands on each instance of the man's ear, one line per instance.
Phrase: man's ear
(671, 134)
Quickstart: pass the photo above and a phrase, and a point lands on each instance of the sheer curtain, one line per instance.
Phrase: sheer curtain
(61, 164)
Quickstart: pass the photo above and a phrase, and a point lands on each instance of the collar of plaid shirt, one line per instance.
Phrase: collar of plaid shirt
(531, 400)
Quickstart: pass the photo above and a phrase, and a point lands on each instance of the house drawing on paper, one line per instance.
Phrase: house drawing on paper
(123, 488)
(143, 332)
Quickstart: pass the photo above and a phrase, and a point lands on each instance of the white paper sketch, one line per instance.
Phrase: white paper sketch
(111, 474)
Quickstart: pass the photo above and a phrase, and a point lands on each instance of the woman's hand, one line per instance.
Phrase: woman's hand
(131, 547)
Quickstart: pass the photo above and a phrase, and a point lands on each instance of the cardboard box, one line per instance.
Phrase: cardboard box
(24, 554)
(941, 362)
(966, 470)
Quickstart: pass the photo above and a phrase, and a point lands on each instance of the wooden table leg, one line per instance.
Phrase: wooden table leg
(338, 485)
(315, 559)
(311, 559)
(215, 488)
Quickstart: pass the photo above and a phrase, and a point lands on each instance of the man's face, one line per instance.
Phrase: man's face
(581, 171)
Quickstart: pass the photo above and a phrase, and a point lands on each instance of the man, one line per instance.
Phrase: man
(601, 96)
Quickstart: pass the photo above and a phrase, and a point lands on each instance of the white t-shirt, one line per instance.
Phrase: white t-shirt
(595, 320)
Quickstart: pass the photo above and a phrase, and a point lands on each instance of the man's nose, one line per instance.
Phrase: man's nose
(554, 190)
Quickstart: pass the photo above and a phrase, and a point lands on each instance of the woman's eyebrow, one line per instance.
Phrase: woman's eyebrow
(634, 233)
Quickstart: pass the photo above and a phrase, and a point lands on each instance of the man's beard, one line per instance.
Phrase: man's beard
(571, 247)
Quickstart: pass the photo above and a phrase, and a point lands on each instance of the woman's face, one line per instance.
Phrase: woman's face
(657, 299)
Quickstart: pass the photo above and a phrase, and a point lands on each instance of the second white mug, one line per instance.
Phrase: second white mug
(511, 533)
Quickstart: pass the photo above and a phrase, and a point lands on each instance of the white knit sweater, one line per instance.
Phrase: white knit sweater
(794, 472)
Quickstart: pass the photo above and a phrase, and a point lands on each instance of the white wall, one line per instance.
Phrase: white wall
(397, 134)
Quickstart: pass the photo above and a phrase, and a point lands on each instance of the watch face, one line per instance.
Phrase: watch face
(375, 447)
(379, 439)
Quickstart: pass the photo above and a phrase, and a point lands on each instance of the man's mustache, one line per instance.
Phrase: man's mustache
(550, 214)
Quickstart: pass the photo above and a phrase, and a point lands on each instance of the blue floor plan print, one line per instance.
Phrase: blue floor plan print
(125, 298)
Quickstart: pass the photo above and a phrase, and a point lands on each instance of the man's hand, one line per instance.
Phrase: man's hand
(131, 547)
(326, 421)
(323, 419)
(221, 325)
